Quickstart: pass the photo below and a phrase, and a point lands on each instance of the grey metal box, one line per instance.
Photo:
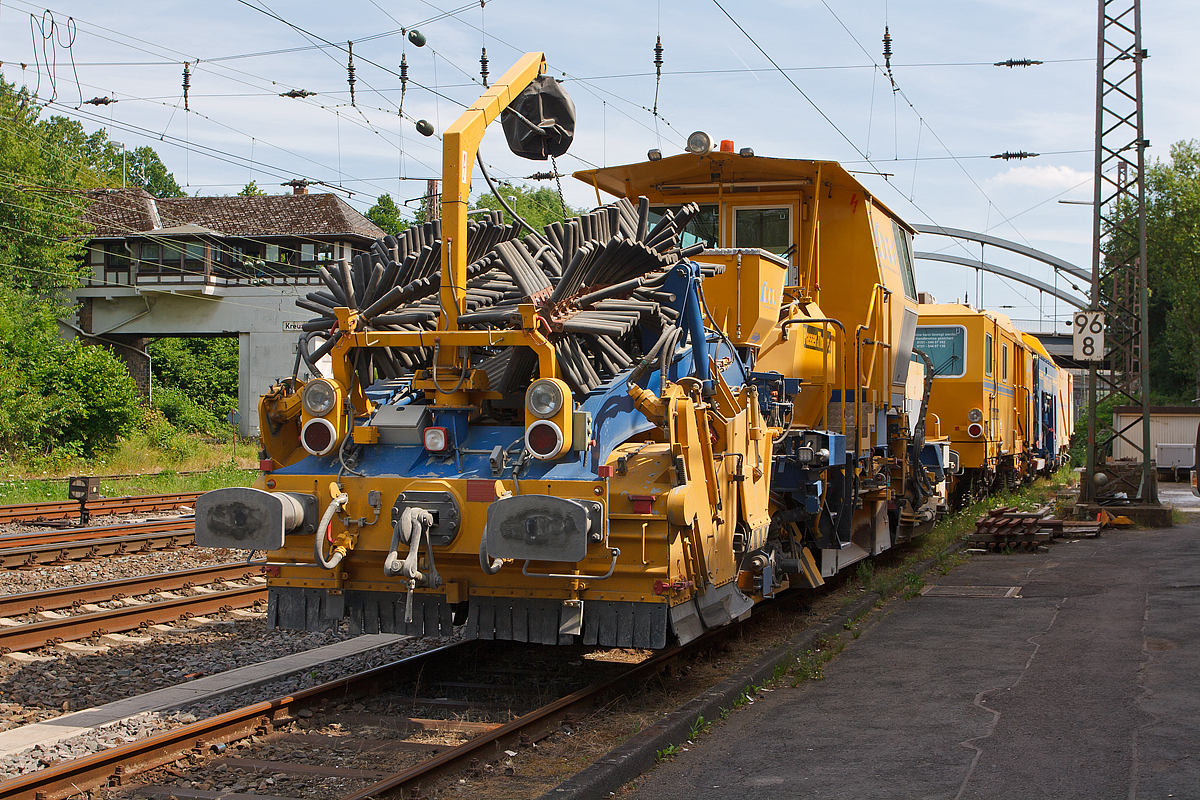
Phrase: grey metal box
(401, 424)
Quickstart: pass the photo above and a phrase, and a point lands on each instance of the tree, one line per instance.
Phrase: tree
(386, 216)
(41, 170)
(149, 172)
(55, 395)
(1173, 271)
(58, 395)
(251, 190)
(538, 207)
(203, 369)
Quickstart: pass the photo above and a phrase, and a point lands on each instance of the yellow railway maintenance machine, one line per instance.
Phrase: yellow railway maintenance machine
(987, 389)
(622, 430)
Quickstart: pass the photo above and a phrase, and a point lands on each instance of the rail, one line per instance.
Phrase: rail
(57, 546)
(76, 596)
(66, 509)
(132, 618)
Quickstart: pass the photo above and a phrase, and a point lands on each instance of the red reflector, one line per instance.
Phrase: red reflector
(481, 491)
(318, 438)
(975, 429)
(543, 439)
(642, 503)
(266, 465)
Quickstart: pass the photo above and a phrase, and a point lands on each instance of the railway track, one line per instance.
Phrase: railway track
(68, 509)
(48, 627)
(28, 550)
(394, 766)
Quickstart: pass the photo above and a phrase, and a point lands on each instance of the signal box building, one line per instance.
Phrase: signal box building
(211, 266)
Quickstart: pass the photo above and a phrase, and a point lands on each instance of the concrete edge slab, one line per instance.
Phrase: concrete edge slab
(51, 731)
(637, 754)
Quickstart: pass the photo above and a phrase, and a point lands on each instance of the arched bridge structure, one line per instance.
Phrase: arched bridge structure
(1075, 275)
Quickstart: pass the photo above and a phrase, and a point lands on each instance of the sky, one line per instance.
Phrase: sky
(789, 78)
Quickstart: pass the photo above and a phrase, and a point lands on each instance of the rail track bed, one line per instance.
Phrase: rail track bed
(66, 510)
(27, 550)
(73, 613)
(475, 712)
(384, 732)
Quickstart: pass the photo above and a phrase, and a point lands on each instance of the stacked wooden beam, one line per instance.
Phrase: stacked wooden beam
(1010, 529)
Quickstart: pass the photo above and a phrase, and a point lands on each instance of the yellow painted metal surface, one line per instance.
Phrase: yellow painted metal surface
(997, 386)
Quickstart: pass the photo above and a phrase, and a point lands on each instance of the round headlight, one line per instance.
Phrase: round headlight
(544, 398)
(975, 415)
(699, 143)
(318, 398)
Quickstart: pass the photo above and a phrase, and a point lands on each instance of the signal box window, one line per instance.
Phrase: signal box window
(704, 228)
(987, 354)
(946, 347)
(769, 229)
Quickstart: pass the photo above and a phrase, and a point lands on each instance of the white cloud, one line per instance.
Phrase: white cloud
(1042, 176)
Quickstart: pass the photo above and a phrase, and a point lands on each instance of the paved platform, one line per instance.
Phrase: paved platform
(1083, 683)
(66, 726)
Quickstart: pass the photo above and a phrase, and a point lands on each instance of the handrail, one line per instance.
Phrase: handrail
(841, 342)
(873, 310)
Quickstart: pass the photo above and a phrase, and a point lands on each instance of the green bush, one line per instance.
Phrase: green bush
(58, 397)
(183, 412)
(205, 371)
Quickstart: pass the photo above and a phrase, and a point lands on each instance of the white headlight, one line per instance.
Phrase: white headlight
(544, 398)
(975, 415)
(318, 398)
(699, 143)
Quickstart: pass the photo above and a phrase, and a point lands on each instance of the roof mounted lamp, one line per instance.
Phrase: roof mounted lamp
(699, 143)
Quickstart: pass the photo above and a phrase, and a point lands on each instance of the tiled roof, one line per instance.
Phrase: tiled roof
(122, 212)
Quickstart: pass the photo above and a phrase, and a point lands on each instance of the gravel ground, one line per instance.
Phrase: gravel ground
(33, 692)
(17, 581)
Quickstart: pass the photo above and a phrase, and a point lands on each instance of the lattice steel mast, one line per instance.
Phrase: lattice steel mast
(1119, 286)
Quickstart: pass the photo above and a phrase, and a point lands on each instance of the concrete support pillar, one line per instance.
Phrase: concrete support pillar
(264, 357)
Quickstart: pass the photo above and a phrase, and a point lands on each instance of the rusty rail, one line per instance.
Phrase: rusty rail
(120, 620)
(57, 546)
(67, 509)
(112, 767)
(75, 596)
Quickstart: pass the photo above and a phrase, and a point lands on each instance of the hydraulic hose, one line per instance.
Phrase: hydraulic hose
(490, 566)
(318, 541)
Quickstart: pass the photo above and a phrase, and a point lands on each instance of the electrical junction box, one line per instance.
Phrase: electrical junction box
(400, 424)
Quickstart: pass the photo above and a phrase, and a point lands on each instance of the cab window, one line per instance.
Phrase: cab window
(1004, 362)
(987, 354)
(769, 229)
(904, 251)
(945, 345)
(704, 228)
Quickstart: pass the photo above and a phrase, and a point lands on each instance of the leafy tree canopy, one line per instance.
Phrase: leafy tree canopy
(251, 190)
(204, 369)
(539, 207)
(386, 216)
(1173, 271)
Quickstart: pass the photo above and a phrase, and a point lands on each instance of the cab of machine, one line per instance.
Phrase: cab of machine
(814, 215)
